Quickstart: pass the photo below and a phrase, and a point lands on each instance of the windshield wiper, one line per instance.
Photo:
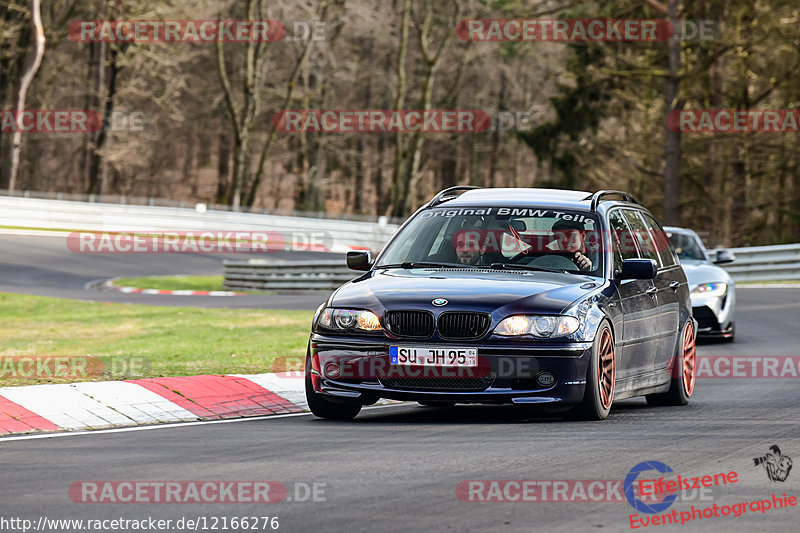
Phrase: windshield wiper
(424, 264)
(514, 266)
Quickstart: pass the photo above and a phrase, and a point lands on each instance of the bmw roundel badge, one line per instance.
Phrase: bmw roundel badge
(439, 301)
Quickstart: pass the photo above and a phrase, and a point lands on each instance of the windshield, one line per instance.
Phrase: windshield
(687, 246)
(499, 237)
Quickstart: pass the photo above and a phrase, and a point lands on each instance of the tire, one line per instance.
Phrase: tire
(437, 404)
(599, 392)
(684, 372)
(324, 408)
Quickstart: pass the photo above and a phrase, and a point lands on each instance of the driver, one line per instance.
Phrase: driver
(467, 250)
(570, 237)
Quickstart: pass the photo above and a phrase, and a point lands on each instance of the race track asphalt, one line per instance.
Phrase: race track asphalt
(43, 265)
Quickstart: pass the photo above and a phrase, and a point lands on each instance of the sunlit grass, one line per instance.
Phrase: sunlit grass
(174, 283)
(164, 341)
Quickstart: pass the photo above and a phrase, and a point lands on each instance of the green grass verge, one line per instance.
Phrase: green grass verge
(174, 283)
(161, 341)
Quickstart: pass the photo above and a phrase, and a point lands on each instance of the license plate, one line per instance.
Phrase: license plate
(424, 356)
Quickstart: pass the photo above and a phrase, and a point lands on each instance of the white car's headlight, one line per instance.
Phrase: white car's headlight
(344, 319)
(717, 288)
(538, 326)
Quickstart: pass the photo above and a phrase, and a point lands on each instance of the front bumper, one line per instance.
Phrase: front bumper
(714, 314)
(508, 372)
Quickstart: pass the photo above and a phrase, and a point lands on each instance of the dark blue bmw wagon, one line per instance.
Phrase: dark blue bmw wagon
(567, 300)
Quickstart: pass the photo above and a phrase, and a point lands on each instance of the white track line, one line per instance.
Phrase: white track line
(170, 426)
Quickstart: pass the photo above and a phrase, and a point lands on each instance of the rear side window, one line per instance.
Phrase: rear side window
(644, 239)
(622, 242)
(663, 245)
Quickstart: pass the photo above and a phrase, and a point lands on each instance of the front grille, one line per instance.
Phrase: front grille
(454, 384)
(705, 318)
(455, 325)
(410, 323)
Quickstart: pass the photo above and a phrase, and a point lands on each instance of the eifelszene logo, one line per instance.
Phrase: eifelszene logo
(630, 488)
(777, 466)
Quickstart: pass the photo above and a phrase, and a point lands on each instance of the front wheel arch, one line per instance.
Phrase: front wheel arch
(598, 395)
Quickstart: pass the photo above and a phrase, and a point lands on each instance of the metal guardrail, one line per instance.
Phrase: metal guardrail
(151, 201)
(759, 263)
(297, 232)
(765, 263)
(263, 275)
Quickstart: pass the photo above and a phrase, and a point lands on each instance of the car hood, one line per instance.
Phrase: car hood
(698, 272)
(472, 290)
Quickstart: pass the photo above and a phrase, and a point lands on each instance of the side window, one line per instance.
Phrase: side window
(621, 239)
(663, 245)
(644, 239)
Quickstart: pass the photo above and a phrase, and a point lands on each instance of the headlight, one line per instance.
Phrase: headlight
(711, 289)
(344, 319)
(538, 326)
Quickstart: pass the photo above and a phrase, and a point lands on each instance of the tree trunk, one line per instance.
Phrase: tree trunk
(400, 154)
(361, 153)
(38, 42)
(672, 141)
(188, 165)
(380, 204)
(287, 101)
(104, 139)
(223, 167)
(242, 118)
(491, 179)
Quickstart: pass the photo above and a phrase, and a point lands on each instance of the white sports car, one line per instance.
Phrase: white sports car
(712, 289)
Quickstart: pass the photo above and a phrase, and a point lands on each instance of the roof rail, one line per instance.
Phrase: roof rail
(446, 194)
(599, 195)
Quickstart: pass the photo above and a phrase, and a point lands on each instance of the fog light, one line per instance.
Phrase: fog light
(333, 371)
(545, 379)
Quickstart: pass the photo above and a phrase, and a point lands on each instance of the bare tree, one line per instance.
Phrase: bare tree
(430, 61)
(398, 190)
(242, 115)
(672, 137)
(38, 42)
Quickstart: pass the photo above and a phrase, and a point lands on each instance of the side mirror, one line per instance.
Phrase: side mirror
(724, 256)
(638, 269)
(359, 260)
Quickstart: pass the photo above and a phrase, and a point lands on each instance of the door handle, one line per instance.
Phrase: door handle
(674, 286)
(652, 291)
